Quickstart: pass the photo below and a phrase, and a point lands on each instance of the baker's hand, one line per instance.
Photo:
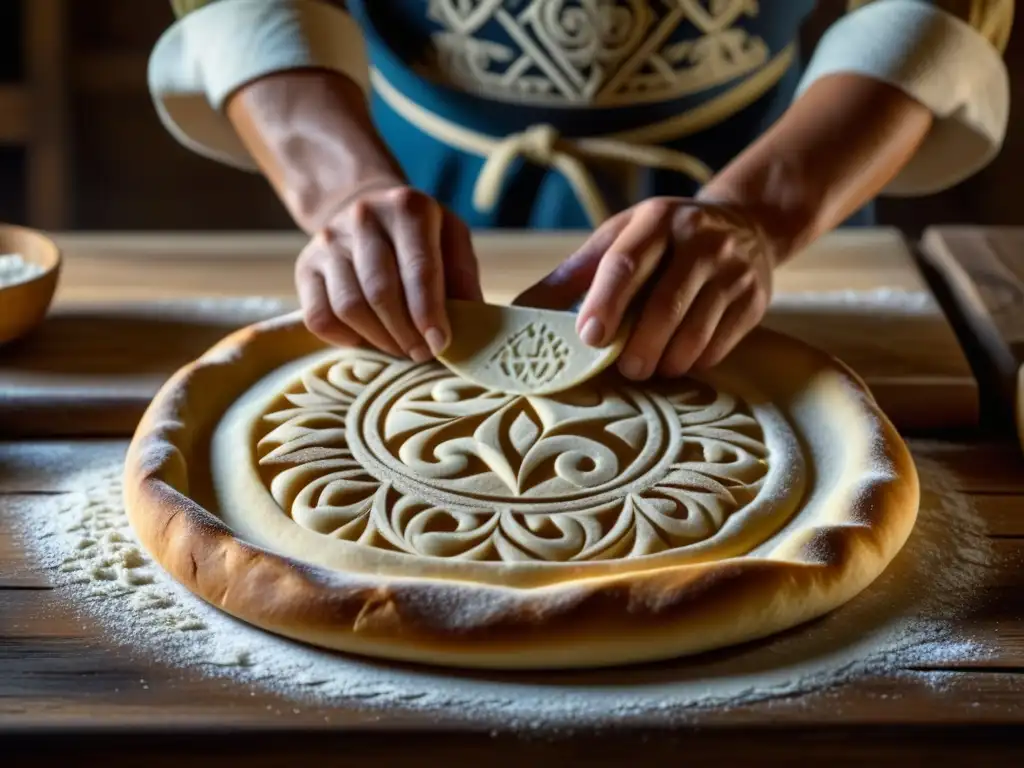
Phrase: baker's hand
(380, 272)
(696, 278)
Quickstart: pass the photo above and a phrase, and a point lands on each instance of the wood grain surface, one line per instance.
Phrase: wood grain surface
(126, 318)
(68, 688)
(64, 674)
(45, 43)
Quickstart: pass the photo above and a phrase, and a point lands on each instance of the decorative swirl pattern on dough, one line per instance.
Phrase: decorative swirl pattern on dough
(413, 459)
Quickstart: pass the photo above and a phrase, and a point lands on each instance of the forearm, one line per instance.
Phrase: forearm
(833, 150)
(311, 134)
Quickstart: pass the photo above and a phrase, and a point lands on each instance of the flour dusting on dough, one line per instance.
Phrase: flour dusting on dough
(903, 620)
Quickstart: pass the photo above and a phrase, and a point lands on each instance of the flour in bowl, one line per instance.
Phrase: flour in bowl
(15, 269)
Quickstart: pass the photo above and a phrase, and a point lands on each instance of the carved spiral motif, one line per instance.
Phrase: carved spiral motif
(590, 31)
(414, 459)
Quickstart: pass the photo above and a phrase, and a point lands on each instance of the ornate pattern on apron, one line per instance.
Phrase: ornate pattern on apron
(591, 52)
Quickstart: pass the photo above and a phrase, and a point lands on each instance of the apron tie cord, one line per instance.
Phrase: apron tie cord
(543, 145)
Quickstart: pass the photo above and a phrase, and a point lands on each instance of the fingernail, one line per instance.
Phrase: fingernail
(593, 332)
(632, 367)
(420, 354)
(436, 339)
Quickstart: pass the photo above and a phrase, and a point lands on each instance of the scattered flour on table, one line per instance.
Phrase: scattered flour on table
(899, 301)
(235, 308)
(891, 300)
(904, 620)
(15, 268)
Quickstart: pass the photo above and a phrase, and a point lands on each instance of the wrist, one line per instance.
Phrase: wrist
(316, 212)
(832, 151)
(311, 135)
(775, 198)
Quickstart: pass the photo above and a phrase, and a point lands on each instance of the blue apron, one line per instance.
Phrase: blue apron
(582, 69)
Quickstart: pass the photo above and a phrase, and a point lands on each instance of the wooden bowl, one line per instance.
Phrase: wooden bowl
(24, 305)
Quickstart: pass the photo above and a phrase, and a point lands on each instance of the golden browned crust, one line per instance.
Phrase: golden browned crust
(624, 618)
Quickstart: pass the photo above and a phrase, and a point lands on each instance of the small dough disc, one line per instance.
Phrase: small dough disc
(522, 350)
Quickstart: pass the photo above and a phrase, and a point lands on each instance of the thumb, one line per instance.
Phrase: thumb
(566, 285)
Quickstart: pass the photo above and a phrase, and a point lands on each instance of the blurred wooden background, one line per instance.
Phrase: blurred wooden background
(81, 146)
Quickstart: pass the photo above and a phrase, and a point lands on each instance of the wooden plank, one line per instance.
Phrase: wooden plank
(780, 747)
(1003, 513)
(899, 341)
(92, 370)
(112, 267)
(95, 364)
(990, 467)
(41, 466)
(65, 675)
(63, 668)
(983, 270)
(45, 41)
(103, 265)
(110, 72)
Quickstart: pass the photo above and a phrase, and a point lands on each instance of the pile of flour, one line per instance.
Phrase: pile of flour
(903, 621)
(15, 268)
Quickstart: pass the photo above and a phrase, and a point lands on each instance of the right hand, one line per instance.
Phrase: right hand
(380, 271)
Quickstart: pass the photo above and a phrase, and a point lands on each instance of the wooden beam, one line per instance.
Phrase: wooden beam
(13, 115)
(46, 42)
(110, 72)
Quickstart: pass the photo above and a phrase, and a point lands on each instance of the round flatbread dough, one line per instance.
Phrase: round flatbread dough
(376, 506)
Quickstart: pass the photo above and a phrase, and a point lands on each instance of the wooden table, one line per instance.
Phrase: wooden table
(64, 687)
(125, 319)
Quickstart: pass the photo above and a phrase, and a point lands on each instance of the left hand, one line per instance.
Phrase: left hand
(696, 276)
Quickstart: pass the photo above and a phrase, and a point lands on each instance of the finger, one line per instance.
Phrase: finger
(622, 272)
(416, 234)
(461, 271)
(373, 261)
(568, 282)
(317, 314)
(696, 329)
(739, 319)
(350, 306)
(670, 299)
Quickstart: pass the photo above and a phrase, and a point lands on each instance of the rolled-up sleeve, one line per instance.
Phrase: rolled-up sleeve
(946, 54)
(218, 46)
